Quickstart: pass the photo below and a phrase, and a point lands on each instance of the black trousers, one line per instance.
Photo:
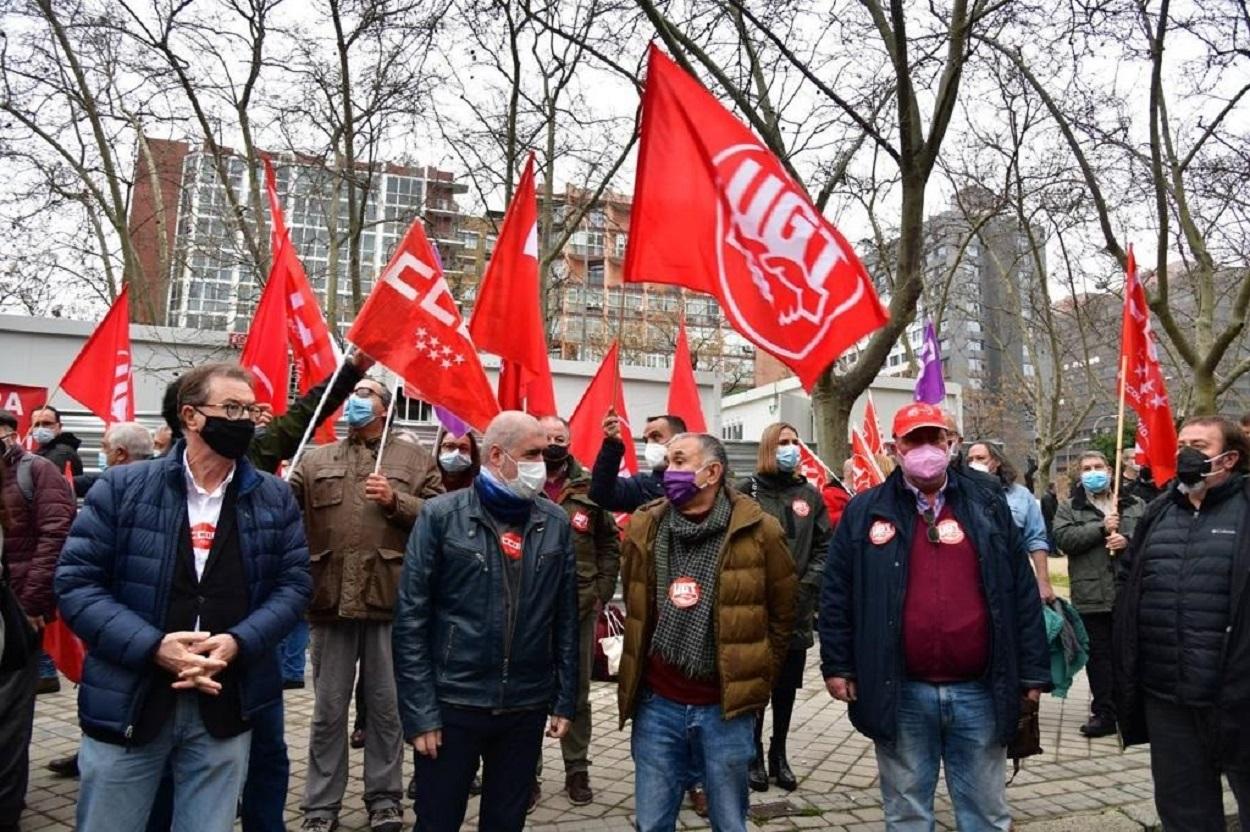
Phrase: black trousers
(1100, 667)
(509, 745)
(1189, 794)
(17, 719)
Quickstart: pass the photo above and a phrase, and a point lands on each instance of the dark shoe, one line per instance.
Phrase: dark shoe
(64, 766)
(698, 799)
(475, 786)
(577, 785)
(292, 684)
(412, 788)
(358, 739)
(319, 825)
(48, 684)
(390, 819)
(757, 776)
(536, 793)
(1098, 726)
(779, 766)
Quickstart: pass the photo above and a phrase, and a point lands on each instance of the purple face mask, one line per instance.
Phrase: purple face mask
(925, 463)
(679, 486)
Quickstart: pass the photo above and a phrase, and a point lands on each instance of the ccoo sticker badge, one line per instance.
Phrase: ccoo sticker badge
(881, 533)
(511, 542)
(581, 521)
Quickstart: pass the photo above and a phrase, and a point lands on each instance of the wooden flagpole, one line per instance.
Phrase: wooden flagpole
(1119, 432)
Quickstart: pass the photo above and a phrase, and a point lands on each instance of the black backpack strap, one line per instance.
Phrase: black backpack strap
(26, 479)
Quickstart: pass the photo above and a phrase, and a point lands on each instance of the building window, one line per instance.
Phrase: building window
(594, 274)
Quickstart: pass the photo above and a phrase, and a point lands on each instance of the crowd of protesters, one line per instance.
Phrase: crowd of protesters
(454, 595)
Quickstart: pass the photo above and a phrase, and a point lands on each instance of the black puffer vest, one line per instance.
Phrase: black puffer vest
(1186, 579)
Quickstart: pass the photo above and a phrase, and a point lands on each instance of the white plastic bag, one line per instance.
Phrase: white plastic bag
(614, 642)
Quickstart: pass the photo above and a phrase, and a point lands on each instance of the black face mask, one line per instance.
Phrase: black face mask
(1192, 465)
(228, 437)
(556, 456)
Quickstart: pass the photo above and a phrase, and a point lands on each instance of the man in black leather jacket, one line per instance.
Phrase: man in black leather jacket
(485, 633)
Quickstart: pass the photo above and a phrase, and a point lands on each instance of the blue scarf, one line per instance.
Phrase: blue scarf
(500, 501)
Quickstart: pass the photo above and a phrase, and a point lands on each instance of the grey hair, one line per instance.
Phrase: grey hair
(711, 449)
(509, 429)
(1092, 454)
(132, 436)
(386, 393)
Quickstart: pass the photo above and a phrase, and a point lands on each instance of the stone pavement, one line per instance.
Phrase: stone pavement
(1076, 784)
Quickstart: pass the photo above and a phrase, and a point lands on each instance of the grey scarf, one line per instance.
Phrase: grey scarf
(684, 638)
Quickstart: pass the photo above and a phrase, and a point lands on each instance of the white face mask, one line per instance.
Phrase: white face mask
(454, 461)
(529, 480)
(655, 455)
(979, 466)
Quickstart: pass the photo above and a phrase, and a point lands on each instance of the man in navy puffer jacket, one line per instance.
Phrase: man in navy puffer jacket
(181, 575)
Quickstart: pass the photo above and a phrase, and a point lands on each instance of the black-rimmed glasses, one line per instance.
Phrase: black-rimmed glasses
(235, 411)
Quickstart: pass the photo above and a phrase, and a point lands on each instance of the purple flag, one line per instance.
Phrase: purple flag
(930, 387)
(450, 422)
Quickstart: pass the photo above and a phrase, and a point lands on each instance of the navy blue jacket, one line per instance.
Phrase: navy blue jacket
(450, 644)
(609, 490)
(861, 608)
(117, 566)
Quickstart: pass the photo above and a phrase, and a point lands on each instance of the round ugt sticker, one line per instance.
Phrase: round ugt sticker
(684, 592)
(800, 508)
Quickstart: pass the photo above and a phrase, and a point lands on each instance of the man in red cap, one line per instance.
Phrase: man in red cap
(931, 629)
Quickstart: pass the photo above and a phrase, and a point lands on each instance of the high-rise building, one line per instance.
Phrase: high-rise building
(588, 305)
(195, 268)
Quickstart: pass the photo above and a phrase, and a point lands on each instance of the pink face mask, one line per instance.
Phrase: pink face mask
(925, 463)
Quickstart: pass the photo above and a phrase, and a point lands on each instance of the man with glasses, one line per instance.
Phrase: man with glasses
(358, 523)
(931, 629)
(181, 576)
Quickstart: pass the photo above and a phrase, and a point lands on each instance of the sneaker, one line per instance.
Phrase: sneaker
(319, 824)
(64, 766)
(48, 684)
(388, 819)
(535, 793)
(577, 785)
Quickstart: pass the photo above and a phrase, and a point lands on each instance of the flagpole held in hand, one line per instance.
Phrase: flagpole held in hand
(312, 423)
(386, 427)
(1119, 433)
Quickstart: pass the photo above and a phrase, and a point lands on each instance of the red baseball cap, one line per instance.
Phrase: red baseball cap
(918, 415)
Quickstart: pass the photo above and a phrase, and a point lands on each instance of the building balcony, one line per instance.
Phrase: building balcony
(582, 250)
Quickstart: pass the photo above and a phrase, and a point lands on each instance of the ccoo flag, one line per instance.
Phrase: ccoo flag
(1141, 379)
(715, 211)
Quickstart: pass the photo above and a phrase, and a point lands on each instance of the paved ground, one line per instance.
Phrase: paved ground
(1077, 784)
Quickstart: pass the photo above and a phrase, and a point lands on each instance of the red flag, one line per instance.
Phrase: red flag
(411, 325)
(812, 469)
(872, 427)
(604, 393)
(715, 211)
(100, 377)
(507, 316)
(683, 390)
(65, 648)
(1141, 379)
(867, 474)
(265, 352)
(316, 355)
(21, 401)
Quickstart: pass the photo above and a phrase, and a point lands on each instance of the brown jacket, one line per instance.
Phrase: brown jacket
(357, 546)
(754, 612)
(596, 541)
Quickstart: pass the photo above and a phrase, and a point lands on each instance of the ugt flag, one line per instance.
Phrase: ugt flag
(716, 212)
(930, 387)
(1141, 379)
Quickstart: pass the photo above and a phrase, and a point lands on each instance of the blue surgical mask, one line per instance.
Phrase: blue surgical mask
(1095, 482)
(43, 435)
(787, 457)
(102, 460)
(358, 411)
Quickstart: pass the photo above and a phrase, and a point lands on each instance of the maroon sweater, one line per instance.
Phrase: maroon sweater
(946, 622)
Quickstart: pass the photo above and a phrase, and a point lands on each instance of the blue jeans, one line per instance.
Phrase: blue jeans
(119, 783)
(951, 725)
(666, 743)
(291, 653)
(47, 667)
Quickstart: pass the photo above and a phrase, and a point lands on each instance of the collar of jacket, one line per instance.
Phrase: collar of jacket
(1214, 496)
(478, 512)
(1081, 500)
(175, 472)
(744, 513)
(576, 483)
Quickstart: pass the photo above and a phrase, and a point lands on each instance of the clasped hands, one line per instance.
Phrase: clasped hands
(194, 658)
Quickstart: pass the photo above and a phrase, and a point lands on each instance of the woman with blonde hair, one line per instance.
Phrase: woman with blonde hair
(783, 492)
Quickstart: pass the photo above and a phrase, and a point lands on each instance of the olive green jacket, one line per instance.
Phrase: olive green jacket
(596, 541)
(1080, 535)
